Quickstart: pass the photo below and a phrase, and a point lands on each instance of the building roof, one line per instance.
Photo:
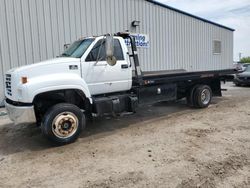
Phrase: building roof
(188, 14)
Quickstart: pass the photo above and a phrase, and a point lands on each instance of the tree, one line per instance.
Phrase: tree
(245, 60)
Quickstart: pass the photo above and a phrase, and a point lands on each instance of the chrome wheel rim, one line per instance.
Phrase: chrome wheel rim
(205, 96)
(65, 125)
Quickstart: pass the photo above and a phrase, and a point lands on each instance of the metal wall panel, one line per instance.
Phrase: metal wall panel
(35, 30)
(1, 73)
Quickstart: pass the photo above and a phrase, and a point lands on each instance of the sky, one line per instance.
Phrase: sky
(232, 13)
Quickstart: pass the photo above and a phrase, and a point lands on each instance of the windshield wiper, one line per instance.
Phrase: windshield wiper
(65, 55)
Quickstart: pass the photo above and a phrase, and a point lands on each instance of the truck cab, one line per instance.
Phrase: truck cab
(84, 60)
(75, 77)
(98, 74)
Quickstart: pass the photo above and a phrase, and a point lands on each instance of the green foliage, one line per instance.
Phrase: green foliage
(245, 60)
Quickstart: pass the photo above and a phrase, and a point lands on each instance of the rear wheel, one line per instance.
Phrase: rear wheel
(63, 123)
(190, 96)
(202, 96)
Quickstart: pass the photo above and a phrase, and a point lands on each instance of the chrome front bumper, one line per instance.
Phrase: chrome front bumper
(21, 114)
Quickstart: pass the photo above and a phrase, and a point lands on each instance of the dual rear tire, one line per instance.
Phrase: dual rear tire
(200, 96)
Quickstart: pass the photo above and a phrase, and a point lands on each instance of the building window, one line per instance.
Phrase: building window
(216, 47)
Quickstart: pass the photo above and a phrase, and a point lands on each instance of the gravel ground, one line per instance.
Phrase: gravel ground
(164, 145)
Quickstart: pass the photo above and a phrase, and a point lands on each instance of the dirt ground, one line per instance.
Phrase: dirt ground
(164, 145)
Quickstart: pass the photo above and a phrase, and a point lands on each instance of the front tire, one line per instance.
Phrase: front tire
(63, 123)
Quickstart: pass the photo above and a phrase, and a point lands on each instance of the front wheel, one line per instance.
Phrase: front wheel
(63, 123)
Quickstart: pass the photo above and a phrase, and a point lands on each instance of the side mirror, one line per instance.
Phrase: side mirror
(111, 60)
(66, 46)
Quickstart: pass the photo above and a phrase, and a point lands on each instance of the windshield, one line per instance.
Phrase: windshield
(247, 68)
(77, 49)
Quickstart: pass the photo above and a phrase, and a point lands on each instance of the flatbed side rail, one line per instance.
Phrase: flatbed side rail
(185, 76)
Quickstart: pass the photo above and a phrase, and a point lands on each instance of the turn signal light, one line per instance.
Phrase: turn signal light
(24, 80)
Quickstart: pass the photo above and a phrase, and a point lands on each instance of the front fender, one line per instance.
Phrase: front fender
(52, 82)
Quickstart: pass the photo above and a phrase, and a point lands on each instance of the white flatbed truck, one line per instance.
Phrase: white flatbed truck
(95, 77)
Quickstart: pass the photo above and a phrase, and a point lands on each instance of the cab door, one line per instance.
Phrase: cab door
(103, 78)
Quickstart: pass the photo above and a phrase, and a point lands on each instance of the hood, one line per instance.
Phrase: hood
(39, 71)
(244, 74)
(51, 63)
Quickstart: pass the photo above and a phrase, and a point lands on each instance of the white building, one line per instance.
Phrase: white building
(35, 30)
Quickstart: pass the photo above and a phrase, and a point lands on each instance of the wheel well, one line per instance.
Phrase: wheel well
(184, 88)
(43, 101)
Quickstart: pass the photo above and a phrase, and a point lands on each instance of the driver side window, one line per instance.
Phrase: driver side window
(99, 51)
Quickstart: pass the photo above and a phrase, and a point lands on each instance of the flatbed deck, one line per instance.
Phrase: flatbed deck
(158, 77)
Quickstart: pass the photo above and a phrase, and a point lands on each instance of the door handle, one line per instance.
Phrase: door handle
(124, 66)
(100, 64)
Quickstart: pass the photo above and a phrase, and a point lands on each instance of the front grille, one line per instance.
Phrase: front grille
(8, 84)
